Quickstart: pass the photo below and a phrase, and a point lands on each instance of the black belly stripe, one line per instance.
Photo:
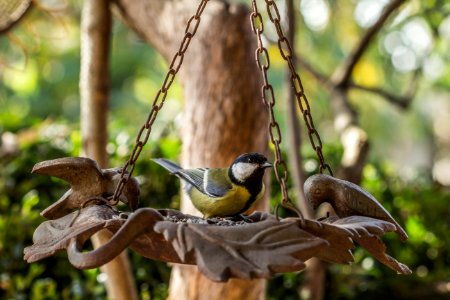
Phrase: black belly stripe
(248, 203)
(253, 185)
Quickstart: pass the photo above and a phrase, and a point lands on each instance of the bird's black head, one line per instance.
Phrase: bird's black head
(248, 168)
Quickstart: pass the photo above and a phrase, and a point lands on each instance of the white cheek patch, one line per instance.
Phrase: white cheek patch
(242, 171)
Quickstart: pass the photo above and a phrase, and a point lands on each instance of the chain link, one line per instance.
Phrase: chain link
(268, 98)
(285, 49)
(144, 132)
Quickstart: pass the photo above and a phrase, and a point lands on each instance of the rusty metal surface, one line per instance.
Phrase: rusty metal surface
(268, 98)
(257, 247)
(88, 182)
(250, 250)
(347, 199)
(286, 53)
(221, 249)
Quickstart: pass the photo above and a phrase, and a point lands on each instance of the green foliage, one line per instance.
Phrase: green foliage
(423, 210)
(23, 196)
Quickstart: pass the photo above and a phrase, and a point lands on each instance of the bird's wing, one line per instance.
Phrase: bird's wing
(212, 182)
(77, 171)
(167, 164)
(60, 208)
(193, 176)
(216, 182)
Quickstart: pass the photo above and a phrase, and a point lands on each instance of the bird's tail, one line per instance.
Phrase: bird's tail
(167, 164)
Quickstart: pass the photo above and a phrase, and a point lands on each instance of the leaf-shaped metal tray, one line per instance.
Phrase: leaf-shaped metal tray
(220, 250)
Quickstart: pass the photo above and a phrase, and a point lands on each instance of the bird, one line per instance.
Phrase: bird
(223, 192)
(347, 199)
(87, 181)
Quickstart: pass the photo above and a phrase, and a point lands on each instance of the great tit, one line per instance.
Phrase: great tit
(223, 192)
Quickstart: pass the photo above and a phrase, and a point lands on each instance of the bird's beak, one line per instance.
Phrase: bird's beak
(266, 165)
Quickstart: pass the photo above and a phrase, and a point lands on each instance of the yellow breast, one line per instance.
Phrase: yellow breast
(232, 203)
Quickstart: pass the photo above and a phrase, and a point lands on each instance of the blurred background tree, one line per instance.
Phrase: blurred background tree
(407, 167)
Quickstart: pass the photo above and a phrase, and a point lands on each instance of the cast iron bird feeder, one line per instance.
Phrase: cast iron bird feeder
(222, 248)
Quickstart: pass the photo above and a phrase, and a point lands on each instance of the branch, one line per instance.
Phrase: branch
(160, 24)
(320, 77)
(94, 88)
(94, 78)
(315, 273)
(13, 14)
(353, 137)
(401, 101)
(342, 75)
(294, 132)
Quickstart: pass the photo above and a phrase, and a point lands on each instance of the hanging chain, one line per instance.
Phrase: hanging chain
(144, 132)
(286, 52)
(268, 98)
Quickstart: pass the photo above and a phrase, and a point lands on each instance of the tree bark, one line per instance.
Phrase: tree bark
(223, 115)
(223, 118)
(94, 84)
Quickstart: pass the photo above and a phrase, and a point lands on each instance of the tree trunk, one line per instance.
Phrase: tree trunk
(223, 118)
(224, 115)
(94, 84)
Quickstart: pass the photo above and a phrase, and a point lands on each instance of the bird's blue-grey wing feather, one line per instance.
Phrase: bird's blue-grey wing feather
(216, 182)
(192, 176)
(212, 182)
(167, 164)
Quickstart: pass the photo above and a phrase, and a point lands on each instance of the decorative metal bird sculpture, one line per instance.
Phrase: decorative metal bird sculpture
(88, 181)
(347, 199)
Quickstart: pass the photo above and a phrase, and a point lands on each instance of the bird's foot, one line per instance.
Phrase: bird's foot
(229, 221)
(241, 217)
(211, 220)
